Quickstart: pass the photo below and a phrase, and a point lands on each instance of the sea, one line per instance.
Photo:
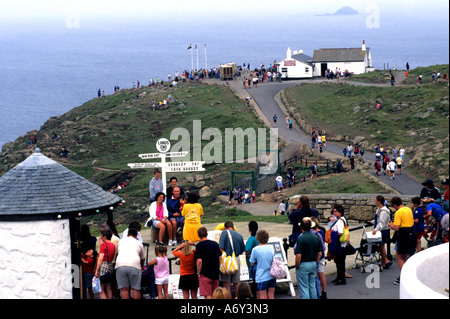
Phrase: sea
(48, 69)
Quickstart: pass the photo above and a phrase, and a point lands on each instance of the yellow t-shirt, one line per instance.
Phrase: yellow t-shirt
(399, 161)
(404, 217)
(192, 223)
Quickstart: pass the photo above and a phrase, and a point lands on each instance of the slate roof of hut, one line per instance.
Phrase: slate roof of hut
(340, 55)
(41, 187)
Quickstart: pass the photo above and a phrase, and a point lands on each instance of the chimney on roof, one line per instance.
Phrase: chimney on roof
(289, 53)
(364, 45)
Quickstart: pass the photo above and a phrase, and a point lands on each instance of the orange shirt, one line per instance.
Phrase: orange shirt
(187, 263)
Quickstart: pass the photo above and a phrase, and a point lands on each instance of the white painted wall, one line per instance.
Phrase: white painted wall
(299, 71)
(35, 260)
(352, 67)
(426, 274)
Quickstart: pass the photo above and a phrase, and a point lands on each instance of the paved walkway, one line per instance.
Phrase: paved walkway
(264, 100)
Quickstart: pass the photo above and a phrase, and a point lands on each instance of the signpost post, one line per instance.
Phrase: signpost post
(163, 146)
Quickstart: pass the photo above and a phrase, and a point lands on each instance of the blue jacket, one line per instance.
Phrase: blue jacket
(335, 246)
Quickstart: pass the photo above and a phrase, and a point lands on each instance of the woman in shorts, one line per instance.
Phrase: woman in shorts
(261, 259)
(188, 277)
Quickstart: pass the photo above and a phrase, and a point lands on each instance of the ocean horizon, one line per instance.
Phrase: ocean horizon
(49, 70)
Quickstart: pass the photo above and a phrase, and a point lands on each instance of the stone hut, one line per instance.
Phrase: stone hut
(41, 203)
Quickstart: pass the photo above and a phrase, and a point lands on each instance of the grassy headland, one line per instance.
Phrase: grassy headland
(415, 117)
(105, 134)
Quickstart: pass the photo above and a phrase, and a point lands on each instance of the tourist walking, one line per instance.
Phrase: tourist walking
(308, 252)
(192, 212)
(208, 257)
(336, 248)
(251, 243)
(161, 269)
(261, 259)
(188, 277)
(105, 267)
(129, 264)
(380, 224)
(231, 242)
(404, 226)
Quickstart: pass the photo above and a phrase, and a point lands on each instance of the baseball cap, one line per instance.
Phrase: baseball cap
(445, 181)
(428, 182)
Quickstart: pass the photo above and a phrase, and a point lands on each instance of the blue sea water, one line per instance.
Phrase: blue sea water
(47, 71)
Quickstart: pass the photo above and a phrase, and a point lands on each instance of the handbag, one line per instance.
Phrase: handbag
(277, 269)
(345, 237)
(105, 271)
(229, 265)
(349, 250)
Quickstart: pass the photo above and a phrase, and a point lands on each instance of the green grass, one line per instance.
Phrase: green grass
(377, 77)
(331, 107)
(353, 182)
(426, 73)
(104, 135)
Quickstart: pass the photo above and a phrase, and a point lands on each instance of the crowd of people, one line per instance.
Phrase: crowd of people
(239, 196)
(388, 160)
(118, 260)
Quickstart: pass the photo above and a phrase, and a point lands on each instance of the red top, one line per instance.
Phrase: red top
(89, 266)
(109, 249)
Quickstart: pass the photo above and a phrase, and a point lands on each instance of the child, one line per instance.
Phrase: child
(183, 201)
(161, 269)
(419, 221)
(188, 276)
(251, 243)
(253, 197)
(87, 260)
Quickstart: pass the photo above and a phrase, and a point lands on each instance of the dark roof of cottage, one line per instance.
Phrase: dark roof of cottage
(40, 188)
(301, 57)
(339, 55)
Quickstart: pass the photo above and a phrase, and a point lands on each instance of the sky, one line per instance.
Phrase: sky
(39, 12)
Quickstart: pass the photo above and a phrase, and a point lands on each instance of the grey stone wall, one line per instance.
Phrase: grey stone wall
(358, 207)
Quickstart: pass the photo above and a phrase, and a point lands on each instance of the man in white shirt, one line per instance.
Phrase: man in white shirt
(279, 180)
(391, 168)
(129, 265)
(402, 153)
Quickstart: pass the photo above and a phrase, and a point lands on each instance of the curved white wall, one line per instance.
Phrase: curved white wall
(35, 260)
(426, 274)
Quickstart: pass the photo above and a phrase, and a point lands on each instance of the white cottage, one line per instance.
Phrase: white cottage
(297, 65)
(351, 60)
(41, 203)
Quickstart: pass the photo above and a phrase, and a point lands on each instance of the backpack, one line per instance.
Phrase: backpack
(328, 238)
(277, 269)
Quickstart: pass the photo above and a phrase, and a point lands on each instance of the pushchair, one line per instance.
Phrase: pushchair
(148, 286)
(369, 252)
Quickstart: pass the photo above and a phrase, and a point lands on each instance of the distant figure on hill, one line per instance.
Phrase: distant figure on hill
(64, 152)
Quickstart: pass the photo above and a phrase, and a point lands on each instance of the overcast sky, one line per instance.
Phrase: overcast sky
(35, 11)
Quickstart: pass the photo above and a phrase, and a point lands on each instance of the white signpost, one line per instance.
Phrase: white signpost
(163, 146)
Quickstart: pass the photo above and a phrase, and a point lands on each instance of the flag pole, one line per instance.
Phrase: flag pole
(192, 58)
(206, 59)
(196, 48)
